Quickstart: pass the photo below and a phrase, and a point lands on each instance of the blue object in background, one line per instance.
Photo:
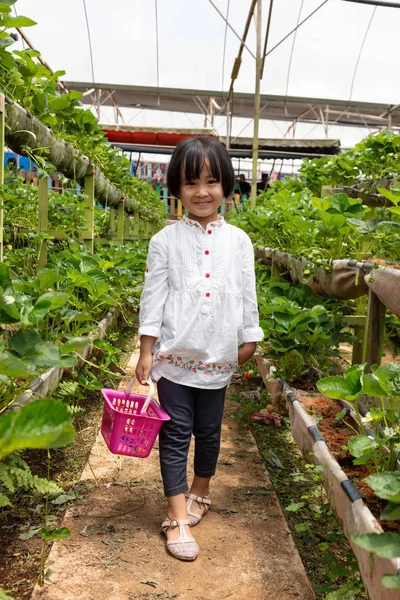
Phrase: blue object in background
(23, 162)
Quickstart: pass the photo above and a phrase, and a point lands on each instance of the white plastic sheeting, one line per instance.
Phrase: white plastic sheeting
(326, 60)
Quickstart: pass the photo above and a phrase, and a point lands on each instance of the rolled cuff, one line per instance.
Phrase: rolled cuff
(255, 334)
(151, 331)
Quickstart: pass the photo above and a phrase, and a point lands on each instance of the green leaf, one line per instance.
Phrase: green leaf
(385, 545)
(25, 341)
(66, 362)
(13, 367)
(359, 445)
(295, 506)
(391, 512)
(8, 2)
(59, 103)
(5, 279)
(18, 22)
(51, 535)
(392, 582)
(9, 311)
(395, 210)
(392, 196)
(339, 388)
(45, 303)
(6, 41)
(39, 103)
(386, 485)
(47, 278)
(371, 386)
(75, 344)
(43, 423)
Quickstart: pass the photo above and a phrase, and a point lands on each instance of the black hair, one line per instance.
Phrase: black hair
(188, 160)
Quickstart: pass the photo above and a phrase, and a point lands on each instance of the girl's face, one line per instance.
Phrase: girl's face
(203, 196)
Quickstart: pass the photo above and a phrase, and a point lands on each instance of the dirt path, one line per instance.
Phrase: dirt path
(116, 552)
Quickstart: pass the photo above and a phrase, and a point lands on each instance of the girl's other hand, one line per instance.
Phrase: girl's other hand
(245, 352)
(143, 368)
(145, 361)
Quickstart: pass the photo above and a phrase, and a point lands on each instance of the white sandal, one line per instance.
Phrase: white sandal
(203, 502)
(184, 548)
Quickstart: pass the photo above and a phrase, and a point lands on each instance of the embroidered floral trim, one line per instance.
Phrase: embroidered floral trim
(213, 224)
(194, 366)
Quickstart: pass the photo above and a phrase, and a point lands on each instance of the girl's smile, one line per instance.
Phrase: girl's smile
(202, 197)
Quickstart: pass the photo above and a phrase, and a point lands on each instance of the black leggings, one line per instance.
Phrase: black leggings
(192, 410)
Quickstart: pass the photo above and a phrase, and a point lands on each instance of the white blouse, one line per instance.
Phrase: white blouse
(199, 302)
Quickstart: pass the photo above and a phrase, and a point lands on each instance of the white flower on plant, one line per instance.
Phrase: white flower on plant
(367, 419)
(389, 432)
(8, 299)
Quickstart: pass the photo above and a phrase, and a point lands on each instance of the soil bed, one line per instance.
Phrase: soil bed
(20, 558)
(325, 552)
(337, 433)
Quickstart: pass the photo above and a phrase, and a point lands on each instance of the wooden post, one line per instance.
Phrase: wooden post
(136, 226)
(172, 213)
(179, 210)
(2, 133)
(374, 331)
(89, 204)
(120, 222)
(359, 331)
(112, 222)
(43, 219)
(256, 105)
(146, 234)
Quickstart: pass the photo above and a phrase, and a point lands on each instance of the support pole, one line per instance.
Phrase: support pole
(228, 124)
(136, 226)
(2, 132)
(256, 105)
(112, 221)
(374, 331)
(120, 222)
(89, 204)
(43, 219)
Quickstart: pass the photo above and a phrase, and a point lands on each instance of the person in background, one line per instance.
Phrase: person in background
(198, 322)
(244, 186)
(263, 185)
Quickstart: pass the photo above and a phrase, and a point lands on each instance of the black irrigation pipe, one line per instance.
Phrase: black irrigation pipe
(350, 489)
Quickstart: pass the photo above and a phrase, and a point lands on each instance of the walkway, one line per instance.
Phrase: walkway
(116, 552)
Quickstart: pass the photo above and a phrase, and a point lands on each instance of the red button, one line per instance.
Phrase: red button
(209, 231)
(208, 295)
(207, 252)
(207, 274)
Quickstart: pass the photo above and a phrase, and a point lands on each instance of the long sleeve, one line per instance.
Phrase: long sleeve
(252, 331)
(155, 291)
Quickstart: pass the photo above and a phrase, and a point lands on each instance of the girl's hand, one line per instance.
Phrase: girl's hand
(145, 361)
(143, 368)
(245, 352)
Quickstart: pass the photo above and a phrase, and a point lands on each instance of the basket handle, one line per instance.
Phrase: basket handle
(149, 395)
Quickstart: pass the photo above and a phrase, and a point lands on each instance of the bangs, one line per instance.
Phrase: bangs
(189, 158)
(195, 159)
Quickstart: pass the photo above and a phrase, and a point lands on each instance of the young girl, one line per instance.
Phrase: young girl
(198, 321)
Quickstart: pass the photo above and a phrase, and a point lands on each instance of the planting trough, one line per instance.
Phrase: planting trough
(344, 497)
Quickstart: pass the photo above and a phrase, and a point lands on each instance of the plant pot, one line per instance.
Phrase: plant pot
(344, 497)
(385, 283)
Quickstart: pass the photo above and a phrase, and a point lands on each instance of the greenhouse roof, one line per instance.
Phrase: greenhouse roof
(310, 110)
(340, 53)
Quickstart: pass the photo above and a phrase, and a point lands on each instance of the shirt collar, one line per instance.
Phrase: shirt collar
(213, 224)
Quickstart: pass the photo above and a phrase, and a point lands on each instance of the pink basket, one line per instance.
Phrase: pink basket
(131, 422)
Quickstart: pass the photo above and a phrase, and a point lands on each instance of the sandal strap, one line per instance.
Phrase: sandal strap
(173, 523)
(199, 499)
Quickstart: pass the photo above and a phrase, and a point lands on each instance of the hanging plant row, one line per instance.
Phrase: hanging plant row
(57, 132)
